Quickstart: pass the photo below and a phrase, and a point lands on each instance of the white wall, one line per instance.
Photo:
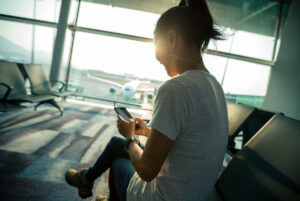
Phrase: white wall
(283, 93)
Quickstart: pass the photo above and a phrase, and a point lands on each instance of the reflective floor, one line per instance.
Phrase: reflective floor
(36, 148)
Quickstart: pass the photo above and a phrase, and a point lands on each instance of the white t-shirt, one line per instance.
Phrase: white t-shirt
(190, 109)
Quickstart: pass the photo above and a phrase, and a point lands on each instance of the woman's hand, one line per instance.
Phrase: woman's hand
(143, 129)
(126, 128)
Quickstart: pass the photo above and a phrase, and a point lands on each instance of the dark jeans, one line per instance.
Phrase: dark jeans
(117, 159)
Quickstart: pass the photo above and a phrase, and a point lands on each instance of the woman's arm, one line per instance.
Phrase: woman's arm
(149, 161)
(143, 128)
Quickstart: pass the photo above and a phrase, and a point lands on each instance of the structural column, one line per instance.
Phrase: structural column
(60, 40)
(284, 86)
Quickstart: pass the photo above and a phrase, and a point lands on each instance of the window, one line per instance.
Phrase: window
(239, 77)
(47, 10)
(215, 65)
(112, 67)
(26, 43)
(15, 41)
(250, 26)
(115, 69)
(242, 82)
(116, 19)
(245, 78)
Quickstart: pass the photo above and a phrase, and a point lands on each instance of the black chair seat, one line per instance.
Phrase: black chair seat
(268, 166)
(61, 94)
(7, 107)
(40, 83)
(238, 116)
(30, 98)
(13, 88)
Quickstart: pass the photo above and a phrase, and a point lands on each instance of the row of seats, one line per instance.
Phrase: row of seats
(267, 167)
(244, 122)
(13, 89)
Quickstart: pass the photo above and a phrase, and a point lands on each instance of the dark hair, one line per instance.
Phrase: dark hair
(193, 21)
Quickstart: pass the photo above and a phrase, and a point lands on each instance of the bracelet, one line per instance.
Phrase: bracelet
(128, 142)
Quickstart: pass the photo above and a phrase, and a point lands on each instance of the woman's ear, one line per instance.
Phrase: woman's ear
(172, 36)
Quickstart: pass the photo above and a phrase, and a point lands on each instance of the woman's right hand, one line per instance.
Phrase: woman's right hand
(143, 129)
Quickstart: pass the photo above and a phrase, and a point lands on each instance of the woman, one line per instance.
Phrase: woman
(187, 140)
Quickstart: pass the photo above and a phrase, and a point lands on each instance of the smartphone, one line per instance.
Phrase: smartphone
(122, 111)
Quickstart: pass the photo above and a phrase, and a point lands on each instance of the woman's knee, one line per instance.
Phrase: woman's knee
(116, 144)
(116, 140)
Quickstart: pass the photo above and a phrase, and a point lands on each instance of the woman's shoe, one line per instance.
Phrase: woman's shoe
(101, 198)
(75, 178)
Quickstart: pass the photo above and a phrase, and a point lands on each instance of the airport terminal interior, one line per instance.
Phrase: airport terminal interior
(65, 65)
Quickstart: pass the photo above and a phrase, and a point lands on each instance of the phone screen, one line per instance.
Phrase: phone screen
(126, 115)
(123, 113)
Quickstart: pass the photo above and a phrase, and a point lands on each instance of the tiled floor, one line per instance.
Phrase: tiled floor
(36, 148)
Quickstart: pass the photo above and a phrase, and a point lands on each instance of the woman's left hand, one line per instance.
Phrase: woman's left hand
(126, 128)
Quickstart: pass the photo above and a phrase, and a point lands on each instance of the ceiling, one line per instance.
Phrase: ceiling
(257, 16)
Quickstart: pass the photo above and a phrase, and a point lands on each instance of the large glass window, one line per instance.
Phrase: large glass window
(115, 68)
(26, 43)
(43, 46)
(239, 77)
(243, 82)
(120, 69)
(116, 19)
(47, 10)
(15, 41)
(215, 65)
(250, 26)
(245, 78)
(246, 44)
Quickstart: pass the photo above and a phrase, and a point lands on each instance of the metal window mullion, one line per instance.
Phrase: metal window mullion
(111, 34)
(33, 34)
(240, 57)
(150, 40)
(28, 21)
(129, 37)
(278, 29)
(72, 46)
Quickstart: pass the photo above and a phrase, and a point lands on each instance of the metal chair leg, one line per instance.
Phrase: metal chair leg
(40, 103)
(54, 103)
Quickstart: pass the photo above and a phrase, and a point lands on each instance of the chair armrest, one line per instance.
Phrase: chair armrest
(9, 88)
(58, 81)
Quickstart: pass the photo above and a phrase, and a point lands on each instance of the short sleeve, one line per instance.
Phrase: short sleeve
(170, 110)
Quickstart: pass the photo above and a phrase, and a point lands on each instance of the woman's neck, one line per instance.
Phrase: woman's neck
(185, 64)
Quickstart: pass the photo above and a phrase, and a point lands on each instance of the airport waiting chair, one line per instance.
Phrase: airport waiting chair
(15, 91)
(238, 116)
(7, 107)
(40, 83)
(245, 120)
(267, 167)
(259, 118)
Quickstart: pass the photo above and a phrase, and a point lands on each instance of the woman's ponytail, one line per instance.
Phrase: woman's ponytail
(193, 20)
(206, 27)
